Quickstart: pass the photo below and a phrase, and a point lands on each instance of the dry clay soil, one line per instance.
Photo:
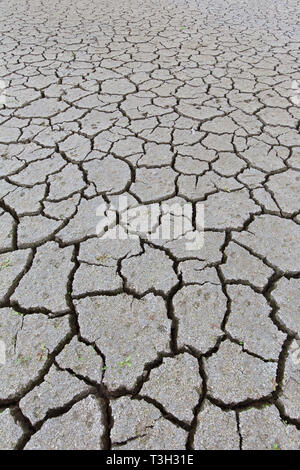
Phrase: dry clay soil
(139, 342)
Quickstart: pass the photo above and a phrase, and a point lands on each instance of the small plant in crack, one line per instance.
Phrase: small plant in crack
(275, 446)
(127, 362)
(17, 313)
(43, 353)
(23, 359)
(102, 257)
(5, 264)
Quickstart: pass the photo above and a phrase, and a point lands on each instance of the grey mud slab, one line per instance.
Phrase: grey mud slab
(119, 330)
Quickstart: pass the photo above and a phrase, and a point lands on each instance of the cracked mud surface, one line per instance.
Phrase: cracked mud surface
(140, 343)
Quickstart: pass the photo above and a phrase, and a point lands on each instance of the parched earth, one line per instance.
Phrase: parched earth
(139, 342)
